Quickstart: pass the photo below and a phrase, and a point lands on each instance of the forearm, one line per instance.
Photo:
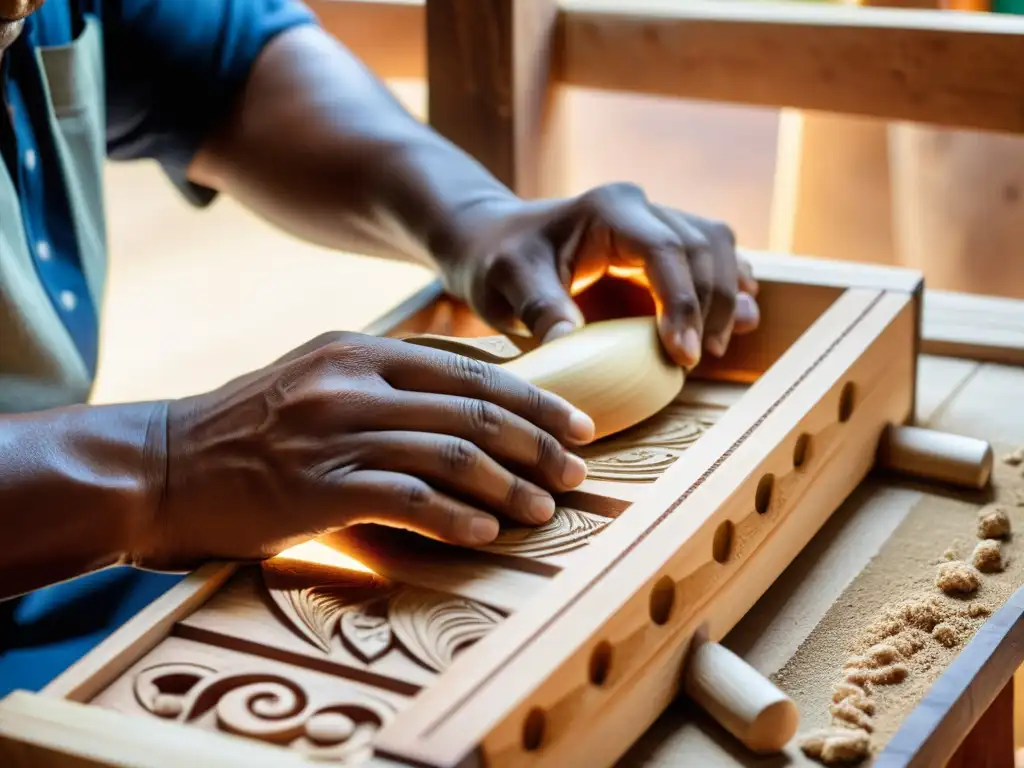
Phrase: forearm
(75, 487)
(320, 147)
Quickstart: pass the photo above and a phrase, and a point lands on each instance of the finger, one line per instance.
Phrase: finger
(458, 466)
(748, 314)
(419, 369)
(748, 284)
(527, 278)
(402, 501)
(508, 438)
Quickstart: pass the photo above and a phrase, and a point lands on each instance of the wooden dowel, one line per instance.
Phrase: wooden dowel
(740, 698)
(932, 455)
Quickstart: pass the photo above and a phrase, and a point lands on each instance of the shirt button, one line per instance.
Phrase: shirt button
(30, 159)
(68, 300)
(43, 250)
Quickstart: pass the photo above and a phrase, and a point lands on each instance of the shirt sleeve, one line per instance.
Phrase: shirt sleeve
(175, 67)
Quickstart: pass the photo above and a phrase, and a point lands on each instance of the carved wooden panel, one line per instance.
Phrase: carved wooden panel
(372, 617)
(643, 453)
(568, 530)
(321, 716)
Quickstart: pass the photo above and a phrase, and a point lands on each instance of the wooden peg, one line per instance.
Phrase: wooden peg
(740, 698)
(941, 456)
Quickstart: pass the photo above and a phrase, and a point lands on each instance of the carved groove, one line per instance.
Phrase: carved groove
(643, 453)
(264, 706)
(568, 529)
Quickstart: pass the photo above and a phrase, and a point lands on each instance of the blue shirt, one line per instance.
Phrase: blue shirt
(173, 70)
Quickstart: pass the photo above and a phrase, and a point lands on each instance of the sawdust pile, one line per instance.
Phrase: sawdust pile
(892, 636)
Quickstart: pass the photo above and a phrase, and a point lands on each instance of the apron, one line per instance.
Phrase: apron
(40, 367)
(44, 632)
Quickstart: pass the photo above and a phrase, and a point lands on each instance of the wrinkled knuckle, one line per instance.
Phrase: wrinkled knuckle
(417, 496)
(459, 455)
(549, 452)
(721, 234)
(683, 305)
(470, 370)
(536, 404)
(514, 492)
(609, 195)
(485, 417)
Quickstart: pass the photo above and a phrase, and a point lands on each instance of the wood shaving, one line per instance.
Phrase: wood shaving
(837, 747)
(897, 602)
(993, 522)
(1014, 458)
(957, 578)
(988, 556)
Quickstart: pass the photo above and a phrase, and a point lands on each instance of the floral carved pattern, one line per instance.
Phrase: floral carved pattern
(568, 529)
(643, 453)
(373, 618)
(265, 706)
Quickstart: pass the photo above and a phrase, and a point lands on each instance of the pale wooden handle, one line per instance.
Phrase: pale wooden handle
(740, 698)
(926, 453)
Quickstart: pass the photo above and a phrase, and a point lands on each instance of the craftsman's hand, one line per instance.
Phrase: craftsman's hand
(357, 429)
(523, 260)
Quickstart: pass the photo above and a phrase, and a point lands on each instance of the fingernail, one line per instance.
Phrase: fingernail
(581, 427)
(542, 507)
(575, 470)
(482, 530)
(748, 314)
(690, 342)
(718, 344)
(558, 330)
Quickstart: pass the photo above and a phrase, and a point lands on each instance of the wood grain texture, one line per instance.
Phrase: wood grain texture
(980, 328)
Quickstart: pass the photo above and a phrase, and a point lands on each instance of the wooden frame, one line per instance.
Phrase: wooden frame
(685, 558)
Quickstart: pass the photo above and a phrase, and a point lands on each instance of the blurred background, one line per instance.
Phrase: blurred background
(199, 296)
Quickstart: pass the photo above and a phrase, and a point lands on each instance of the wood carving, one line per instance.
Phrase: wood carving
(568, 529)
(265, 706)
(643, 453)
(373, 617)
(616, 371)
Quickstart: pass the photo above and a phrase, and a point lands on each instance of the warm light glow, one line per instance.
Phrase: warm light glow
(315, 552)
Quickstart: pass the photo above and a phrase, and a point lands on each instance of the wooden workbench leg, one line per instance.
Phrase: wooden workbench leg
(488, 70)
(990, 743)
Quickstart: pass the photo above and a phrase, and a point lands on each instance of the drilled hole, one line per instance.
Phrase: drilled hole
(801, 450)
(663, 598)
(722, 544)
(763, 494)
(846, 398)
(600, 663)
(533, 730)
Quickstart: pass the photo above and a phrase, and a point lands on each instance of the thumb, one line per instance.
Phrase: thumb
(538, 297)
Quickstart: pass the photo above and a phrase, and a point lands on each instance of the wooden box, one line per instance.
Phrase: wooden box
(555, 647)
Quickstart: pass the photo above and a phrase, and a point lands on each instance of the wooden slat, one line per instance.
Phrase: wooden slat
(952, 69)
(975, 327)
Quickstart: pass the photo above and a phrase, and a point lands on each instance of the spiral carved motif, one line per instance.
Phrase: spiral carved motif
(264, 706)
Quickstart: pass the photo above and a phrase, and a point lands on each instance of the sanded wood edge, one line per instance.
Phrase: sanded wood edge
(424, 732)
(39, 732)
(983, 328)
(934, 729)
(98, 668)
